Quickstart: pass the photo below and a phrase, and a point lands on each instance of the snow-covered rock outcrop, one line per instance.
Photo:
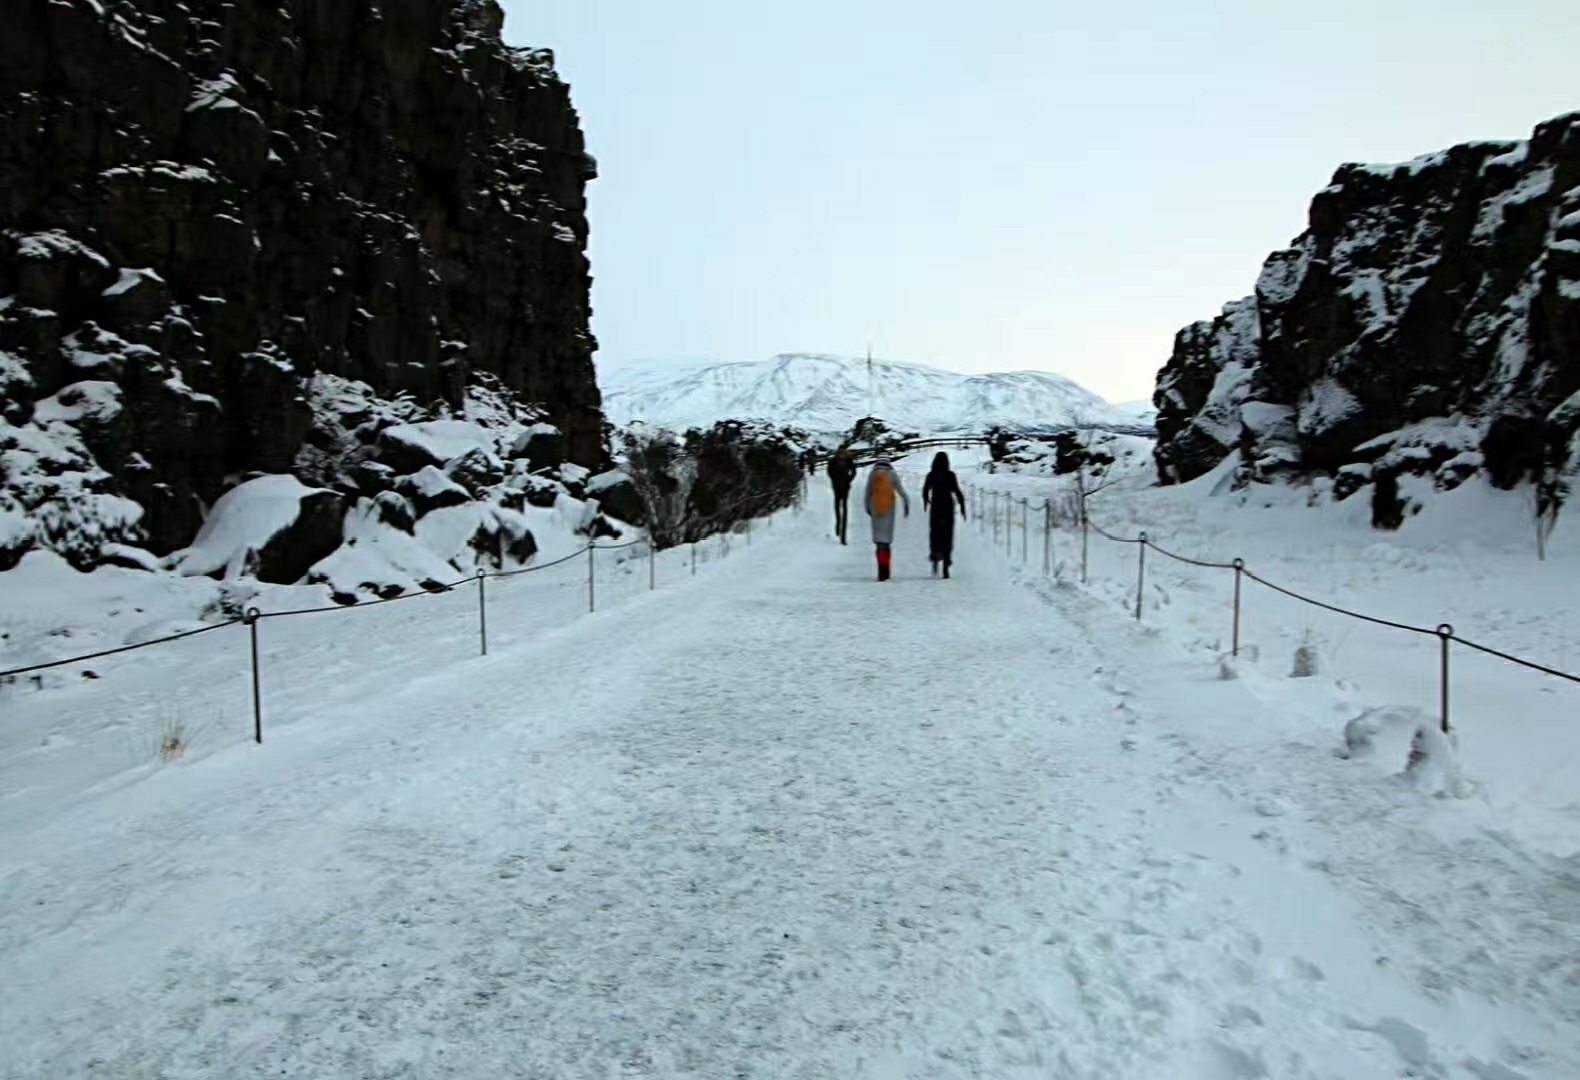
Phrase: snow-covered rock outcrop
(205, 206)
(1427, 322)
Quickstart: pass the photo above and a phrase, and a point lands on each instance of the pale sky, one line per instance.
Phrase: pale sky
(1003, 184)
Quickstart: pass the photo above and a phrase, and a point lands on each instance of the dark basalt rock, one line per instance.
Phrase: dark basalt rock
(314, 535)
(1434, 300)
(429, 489)
(541, 449)
(619, 498)
(209, 202)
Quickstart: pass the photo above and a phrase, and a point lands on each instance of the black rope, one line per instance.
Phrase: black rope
(1339, 610)
(121, 649)
(578, 553)
(84, 658)
(1443, 632)
(368, 603)
(1116, 539)
(1516, 660)
(1193, 562)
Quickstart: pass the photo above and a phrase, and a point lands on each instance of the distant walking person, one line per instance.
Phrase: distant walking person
(841, 473)
(941, 492)
(883, 484)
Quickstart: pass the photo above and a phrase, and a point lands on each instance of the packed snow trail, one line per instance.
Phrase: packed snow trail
(781, 822)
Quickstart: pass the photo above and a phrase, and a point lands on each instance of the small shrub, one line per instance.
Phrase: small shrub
(173, 740)
(1307, 659)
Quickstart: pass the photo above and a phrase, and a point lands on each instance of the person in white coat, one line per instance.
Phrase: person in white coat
(885, 494)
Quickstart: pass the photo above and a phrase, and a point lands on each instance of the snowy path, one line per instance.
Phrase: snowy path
(784, 822)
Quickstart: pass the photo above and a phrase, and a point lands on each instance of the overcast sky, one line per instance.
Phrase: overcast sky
(1002, 184)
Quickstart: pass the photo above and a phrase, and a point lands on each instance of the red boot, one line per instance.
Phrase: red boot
(883, 562)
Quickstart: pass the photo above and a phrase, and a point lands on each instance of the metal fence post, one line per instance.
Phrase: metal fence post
(652, 565)
(592, 558)
(1239, 571)
(1047, 538)
(1085, 526)
(482, 611)
(251, 619)
(1141, 574)
(1025, 511)
(1445, 634)
(693, 558)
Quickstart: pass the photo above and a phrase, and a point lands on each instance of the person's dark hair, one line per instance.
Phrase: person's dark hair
(940, 462)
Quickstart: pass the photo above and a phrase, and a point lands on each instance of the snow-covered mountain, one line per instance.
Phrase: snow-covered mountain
(830, 393)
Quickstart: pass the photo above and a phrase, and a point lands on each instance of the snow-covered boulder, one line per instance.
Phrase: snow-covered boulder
(475, 470)
(541, 446)
(430, 490)
(371, 477)
(395, 510)
(379, 557)
(618, 497)
(273, 528)
(478, 536)
(16, 537)
(408, 448)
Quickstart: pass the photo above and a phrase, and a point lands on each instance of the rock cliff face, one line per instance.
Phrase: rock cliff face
(1427, 322)
(205, 205)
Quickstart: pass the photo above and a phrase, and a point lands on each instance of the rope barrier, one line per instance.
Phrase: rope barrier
(1153, 544)
(258, 616)
(1116, 539)
(1335, 608)
(121, 649)
(1516, 660)
(1443, 632)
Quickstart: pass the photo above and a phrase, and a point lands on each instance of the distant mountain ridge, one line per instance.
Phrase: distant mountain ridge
(820, 392)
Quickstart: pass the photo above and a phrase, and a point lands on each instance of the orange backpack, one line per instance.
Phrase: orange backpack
(882, 491)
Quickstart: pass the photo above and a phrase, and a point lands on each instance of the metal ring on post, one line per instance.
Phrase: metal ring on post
(251, 615)
(1444, 630)
(1238, 564)
(1142, 536)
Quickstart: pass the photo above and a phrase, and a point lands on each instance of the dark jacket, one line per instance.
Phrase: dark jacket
(841, 472)
(939, 494)
(941, 486)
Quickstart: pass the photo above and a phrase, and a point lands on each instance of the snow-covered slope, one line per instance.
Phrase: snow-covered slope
(830, 393)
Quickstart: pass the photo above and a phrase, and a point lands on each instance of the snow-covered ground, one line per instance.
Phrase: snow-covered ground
(1468, 559)
(776, 820)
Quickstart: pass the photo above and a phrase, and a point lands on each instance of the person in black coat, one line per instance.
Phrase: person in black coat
(939, 495)
(841, 474)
